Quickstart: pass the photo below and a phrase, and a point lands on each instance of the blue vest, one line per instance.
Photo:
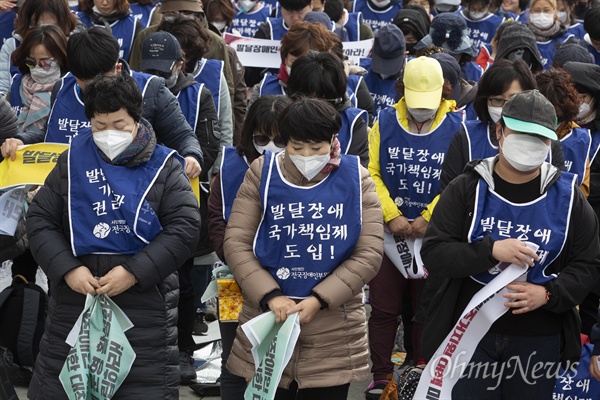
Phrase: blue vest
(576, 149)
(383, 91)
(233, 170)
(143, 13)
(247, 24)
(577, 383)
(481, 32)
(595, 53)
(471, 71)
(270, 86)
(7, 25)
(307, 232)
(411, 164)
(469, 111)
(376, 19)
(123, 30)
(15, 93)
(67, 116)
(548, 49)
(209, 74)
(277, 28)
(577, 30)
(352, 87)
(595, 144)
(189, 102)
(108, 212)
(480, 146)
(497, 217)
(349, 117)
(352, 26)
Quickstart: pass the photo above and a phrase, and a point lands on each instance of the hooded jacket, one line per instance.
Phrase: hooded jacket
(448, 256)
(517, 36)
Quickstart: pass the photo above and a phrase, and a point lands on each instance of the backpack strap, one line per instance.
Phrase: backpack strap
(31, 305)
(5, 294)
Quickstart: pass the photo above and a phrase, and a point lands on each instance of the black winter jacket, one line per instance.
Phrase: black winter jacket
(161, 109)
(151, 304)
(448, 256)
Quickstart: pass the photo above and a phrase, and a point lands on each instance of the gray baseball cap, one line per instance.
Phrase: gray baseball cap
(530, 112)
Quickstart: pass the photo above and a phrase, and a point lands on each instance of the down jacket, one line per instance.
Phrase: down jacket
(151, 304)
(332, 349)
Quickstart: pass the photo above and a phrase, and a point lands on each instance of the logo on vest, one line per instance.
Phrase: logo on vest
(101, 230)
(398, 201)
(283, 273)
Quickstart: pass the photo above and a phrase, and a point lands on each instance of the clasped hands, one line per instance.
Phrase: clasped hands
(115, 282)
(283, 306)
(401, 226)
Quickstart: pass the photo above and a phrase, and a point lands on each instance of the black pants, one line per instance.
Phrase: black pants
(326, 393)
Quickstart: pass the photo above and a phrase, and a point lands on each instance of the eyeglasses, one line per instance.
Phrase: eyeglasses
(43, 64)
(497, 102)
(263, 140)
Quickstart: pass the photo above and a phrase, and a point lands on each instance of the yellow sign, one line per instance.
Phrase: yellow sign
(34, 162)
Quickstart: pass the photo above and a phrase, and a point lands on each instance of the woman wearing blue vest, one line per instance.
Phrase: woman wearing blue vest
(304, 235)
(558, 87)
(549, 31)
(478, 140)
(407, 147)
(33, 13)
(143, 10)
(42, 60)
(249, 14)
(483, 218)
(481, 22)
(321, 75)
(115, 217)
(260, 132)
(115, 16)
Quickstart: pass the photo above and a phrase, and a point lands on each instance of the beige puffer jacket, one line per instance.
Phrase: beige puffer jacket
(332, 349)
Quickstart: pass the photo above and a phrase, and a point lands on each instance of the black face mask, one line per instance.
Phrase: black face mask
(410, 47)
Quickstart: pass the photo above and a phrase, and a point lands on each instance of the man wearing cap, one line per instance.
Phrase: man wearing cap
(407, 147)
(484, 217)
(384, 66)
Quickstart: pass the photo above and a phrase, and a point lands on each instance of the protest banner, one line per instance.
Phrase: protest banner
(101, 356)
(272, 348)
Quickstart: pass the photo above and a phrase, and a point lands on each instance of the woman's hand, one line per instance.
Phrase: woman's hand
(307, 308)
(280, 305)
(81, 280)
(7, 5)
(526, 297)
(9, 148)
(419, 226)
(515, 252)
(401, 227)
(116, 281)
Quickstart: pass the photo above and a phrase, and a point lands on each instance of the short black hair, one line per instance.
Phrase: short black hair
(496, 80)
(309, 120)
(590, 23)
(294, 5)
(318, 75)
(92, 52)
(335, 9)
(108, 94)
(262, 117)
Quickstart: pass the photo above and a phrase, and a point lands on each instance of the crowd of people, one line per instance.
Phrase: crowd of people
(469, 136)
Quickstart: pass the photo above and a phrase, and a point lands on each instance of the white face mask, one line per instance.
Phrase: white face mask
(542, 20)
(310, 166)
(246, 5)
(220, 25)
(478, 15)
(495, 113)
(524, 152)
(272, 147)
(42, 76)
(113, 142)
(289, 70)
(562, 16)
(172, 80)
(422, 114)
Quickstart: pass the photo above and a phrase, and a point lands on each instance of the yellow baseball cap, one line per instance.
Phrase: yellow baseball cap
(423, 83)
